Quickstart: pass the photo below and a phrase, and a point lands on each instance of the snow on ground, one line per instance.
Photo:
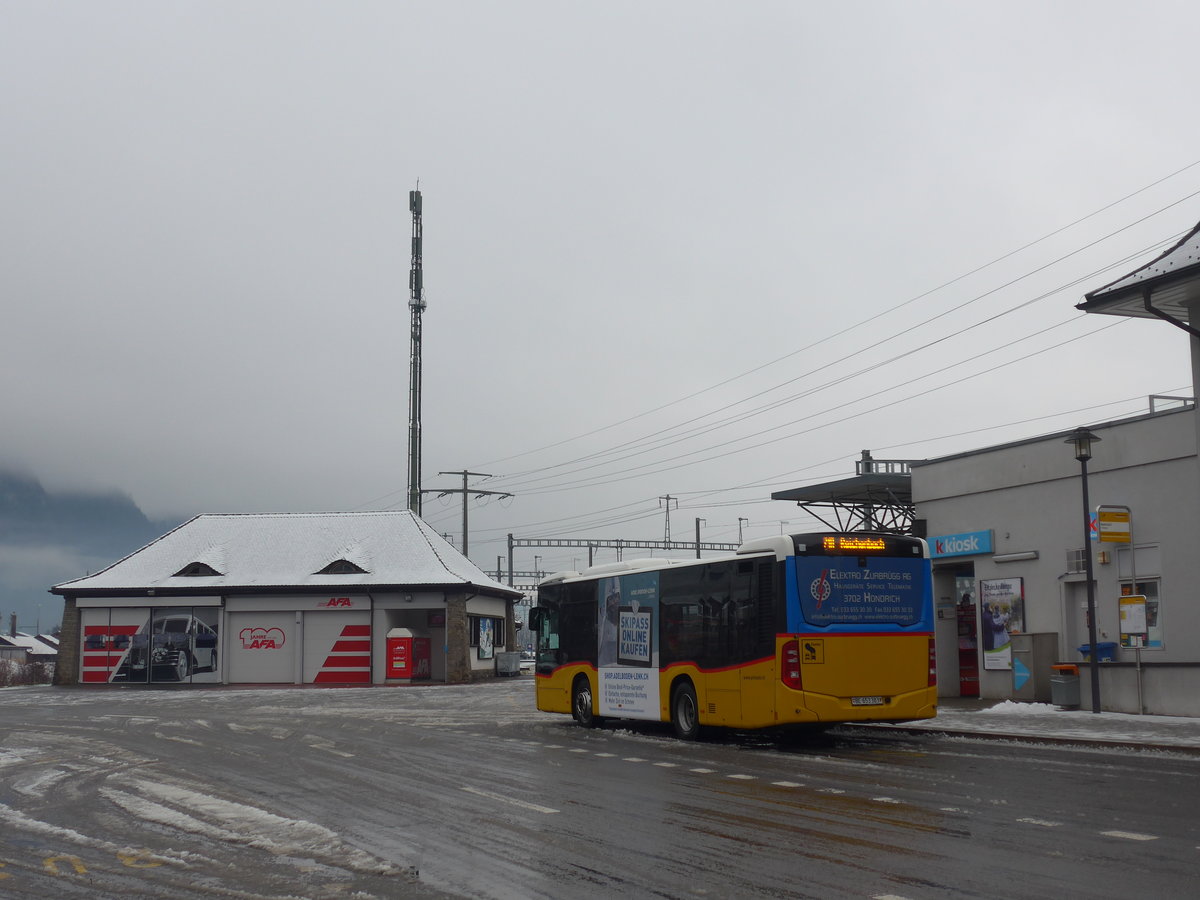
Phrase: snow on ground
(181, 807)
(1013, 718)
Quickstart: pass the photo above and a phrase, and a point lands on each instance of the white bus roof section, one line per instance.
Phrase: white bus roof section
(781, 545)
(281, 550)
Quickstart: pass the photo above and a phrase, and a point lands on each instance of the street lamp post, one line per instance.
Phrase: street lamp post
(1082, 439)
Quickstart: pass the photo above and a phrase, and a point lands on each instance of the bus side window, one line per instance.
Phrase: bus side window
(682, 632)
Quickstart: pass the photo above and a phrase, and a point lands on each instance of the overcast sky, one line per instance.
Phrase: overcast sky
(691, 249)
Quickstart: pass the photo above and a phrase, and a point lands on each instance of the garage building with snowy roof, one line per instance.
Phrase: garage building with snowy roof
(299, 598)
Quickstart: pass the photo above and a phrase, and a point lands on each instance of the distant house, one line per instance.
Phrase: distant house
(313, 598)
(28, 648)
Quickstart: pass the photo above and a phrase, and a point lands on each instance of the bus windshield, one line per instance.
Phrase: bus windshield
(860, 580)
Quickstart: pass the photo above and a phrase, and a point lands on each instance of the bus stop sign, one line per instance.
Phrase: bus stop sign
(1114, 525)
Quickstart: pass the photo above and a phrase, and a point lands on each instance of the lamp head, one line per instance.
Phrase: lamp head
(1083, 440)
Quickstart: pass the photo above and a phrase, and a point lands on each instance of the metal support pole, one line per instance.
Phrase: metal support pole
(466, 505)
(1133, 589)
(1094, 665)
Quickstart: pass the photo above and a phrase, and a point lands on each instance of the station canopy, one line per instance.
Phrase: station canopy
(877, 498)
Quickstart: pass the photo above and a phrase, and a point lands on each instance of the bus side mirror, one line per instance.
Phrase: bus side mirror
(535, 620)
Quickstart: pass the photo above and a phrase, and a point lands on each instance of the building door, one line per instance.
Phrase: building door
(1076, 620)
(968, 636)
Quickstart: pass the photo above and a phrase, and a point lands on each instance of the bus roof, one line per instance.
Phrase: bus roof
(781, 546)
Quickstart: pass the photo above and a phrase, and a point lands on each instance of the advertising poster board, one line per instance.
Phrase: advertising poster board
(1002, 613)
(628, 652)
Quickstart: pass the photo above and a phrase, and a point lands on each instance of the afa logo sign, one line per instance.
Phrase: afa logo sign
(337, 603)
(262, 638)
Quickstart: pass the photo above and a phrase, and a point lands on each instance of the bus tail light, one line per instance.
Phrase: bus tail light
(932, 664)
(790, 673)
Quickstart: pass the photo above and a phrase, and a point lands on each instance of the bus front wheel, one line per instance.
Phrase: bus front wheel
(581, 703)
(685, 713)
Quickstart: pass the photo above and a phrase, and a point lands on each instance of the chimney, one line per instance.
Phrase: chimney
(12, 620)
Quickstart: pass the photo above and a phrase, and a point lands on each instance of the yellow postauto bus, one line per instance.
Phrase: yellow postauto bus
(790, 630)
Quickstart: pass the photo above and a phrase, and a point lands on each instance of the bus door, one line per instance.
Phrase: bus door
(552, 693)
(723, 681)
(543, 622)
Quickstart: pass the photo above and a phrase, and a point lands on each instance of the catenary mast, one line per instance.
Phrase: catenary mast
(416, 305)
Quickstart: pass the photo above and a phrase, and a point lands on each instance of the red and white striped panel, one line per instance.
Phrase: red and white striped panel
(104, 649)
(348, 659)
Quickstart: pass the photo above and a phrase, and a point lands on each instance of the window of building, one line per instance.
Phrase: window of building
(196, 570)
(342, 567)
(487, 633)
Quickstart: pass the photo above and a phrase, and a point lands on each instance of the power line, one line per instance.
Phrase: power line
(638, 446)
(888, 311)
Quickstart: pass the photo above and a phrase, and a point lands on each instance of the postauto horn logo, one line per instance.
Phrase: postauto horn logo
(821, 588)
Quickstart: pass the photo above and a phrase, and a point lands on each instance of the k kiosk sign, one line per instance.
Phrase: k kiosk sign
(968, 543)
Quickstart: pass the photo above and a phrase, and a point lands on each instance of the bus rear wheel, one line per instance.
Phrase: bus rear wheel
(581, 703)
(685, 712)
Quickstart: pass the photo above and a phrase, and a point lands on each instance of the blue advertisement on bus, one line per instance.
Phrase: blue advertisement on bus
(836, 590)
(628, 651)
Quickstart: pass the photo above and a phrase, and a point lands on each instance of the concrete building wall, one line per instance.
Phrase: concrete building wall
(1029, 495)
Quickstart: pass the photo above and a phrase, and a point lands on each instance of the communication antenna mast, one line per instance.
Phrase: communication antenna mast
(416, 305)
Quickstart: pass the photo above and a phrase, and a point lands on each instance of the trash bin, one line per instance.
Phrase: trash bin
(1106, 651)
(1064, 686)
(508, 663)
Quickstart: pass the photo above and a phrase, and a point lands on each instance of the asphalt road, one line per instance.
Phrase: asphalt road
(470, 792)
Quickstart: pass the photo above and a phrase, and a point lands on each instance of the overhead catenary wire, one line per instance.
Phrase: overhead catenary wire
(788, 478)
(663, 436)
(635, 449)
(1028, 245)
(550, 479)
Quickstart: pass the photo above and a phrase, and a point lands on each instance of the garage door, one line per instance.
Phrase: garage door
(337, 647)
(262, 647)
(109, 636)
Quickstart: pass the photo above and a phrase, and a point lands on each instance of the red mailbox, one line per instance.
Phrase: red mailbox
(399, 653)
(407, 655)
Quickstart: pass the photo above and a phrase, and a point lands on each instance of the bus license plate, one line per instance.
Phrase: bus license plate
(866, 701)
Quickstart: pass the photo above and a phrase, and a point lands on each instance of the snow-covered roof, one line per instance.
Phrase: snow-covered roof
(1172, 279)
(34, 645)
(289, 550)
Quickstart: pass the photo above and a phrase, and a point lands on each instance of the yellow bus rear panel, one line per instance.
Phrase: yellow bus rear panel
(861, 677)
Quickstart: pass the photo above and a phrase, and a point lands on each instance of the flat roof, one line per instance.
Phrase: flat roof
(1061, 435)
(869, 488)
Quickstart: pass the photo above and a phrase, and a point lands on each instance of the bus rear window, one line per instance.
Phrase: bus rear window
(858, 590)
